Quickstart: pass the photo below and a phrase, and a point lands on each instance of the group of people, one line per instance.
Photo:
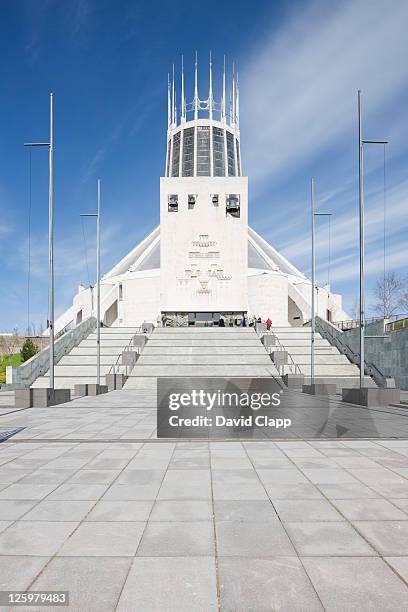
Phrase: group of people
(254, 321)
(228, 321)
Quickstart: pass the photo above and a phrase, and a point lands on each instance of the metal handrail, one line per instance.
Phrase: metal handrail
(117, 368)
(280, 368)
(370, 368)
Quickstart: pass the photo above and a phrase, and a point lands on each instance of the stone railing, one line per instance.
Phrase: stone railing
(23, 376)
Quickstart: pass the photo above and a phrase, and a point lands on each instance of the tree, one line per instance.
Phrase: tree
(388, 293)
(28, 350)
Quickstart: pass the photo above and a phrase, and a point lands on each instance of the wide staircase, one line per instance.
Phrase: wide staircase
(202, 351)
(331, 366)
(79, 366)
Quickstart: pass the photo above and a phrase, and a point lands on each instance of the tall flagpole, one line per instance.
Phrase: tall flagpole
(51, 247)
(361, 231)
(98, 288)
(313, 320)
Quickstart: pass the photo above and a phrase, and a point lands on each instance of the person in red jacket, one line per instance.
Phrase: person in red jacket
(268, 324)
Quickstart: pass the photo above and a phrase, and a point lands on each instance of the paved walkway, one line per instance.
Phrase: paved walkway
(92, 503)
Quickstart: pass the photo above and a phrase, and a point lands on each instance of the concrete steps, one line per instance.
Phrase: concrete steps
(330, 365)
(79, 366)
(209, 352)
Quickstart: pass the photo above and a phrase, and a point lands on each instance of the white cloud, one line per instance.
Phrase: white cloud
(299, 86)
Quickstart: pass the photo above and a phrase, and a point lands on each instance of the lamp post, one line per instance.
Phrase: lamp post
(313, 321)
(361, 143)
(50, 146)
(98, 283)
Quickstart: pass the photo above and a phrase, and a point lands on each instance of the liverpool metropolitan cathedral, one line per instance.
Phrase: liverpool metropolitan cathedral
(203, 261)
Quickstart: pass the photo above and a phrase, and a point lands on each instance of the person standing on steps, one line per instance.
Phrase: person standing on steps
(268, 324)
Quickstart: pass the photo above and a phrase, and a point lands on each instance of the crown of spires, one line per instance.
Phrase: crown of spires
(191, 110)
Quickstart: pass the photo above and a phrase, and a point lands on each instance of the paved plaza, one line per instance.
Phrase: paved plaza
(93, 503)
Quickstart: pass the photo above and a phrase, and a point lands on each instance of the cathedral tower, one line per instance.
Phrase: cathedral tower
(203, 206)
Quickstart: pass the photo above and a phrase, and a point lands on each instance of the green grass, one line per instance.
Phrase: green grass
(8, 360)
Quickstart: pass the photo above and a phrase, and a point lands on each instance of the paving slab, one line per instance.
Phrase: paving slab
(378, 587)
(94, 583)
(263, 584)
(240, 539)
(327, 538)
(387, 537)
(37, 538)
(294, 510)
(177, 539)
(102, 539)
(174, 584)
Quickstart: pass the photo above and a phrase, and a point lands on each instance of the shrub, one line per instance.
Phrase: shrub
(28, 350)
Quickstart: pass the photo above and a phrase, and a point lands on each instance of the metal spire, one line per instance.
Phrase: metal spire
(196, 100)
(173, 108)
(223, 100)
(210, 93)
(233, 95)
(183, 100)
(168, 102)
(237, 103)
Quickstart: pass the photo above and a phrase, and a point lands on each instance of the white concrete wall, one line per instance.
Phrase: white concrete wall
(268, 296)
(228, 290)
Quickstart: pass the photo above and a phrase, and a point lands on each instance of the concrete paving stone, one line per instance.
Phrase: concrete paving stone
(356, 463)
(389, 538)
(302, 490)
(379, 476)
(339, 452)
(377, 587)
(262, 460)
(27, 491)
(13, 509)
(45, 476)
(67, 462)
(294, 510)
(78, 491)
(9, 475)
(94, 476)
(400, 565)
(234, 476)
(327, 538)
(121, 511)
(94, 584)
(391, 489)
(258, 585)
(174, 584)
(240, 539)
(400, 503)
(303, 452)
(306, 463)
(17, 572)
(181, 539)
(227, 463)
(369, 510)
(348, 490)
(105, 462)
(279, 477)
(378, 451)
(119, 492)
(190, 463)
(36, 538)
(49, 510)
(104, 539)
(246, 511)
(182, 510)
(186, 484)
(329, 476)
(140, 477)
(4, 525)
(249, 491)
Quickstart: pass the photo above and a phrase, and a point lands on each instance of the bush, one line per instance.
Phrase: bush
(28, 350)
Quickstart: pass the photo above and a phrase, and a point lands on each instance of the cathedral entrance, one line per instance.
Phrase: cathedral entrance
(204, 319)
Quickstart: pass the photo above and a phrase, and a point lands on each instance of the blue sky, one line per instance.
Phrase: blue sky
(300, 65)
